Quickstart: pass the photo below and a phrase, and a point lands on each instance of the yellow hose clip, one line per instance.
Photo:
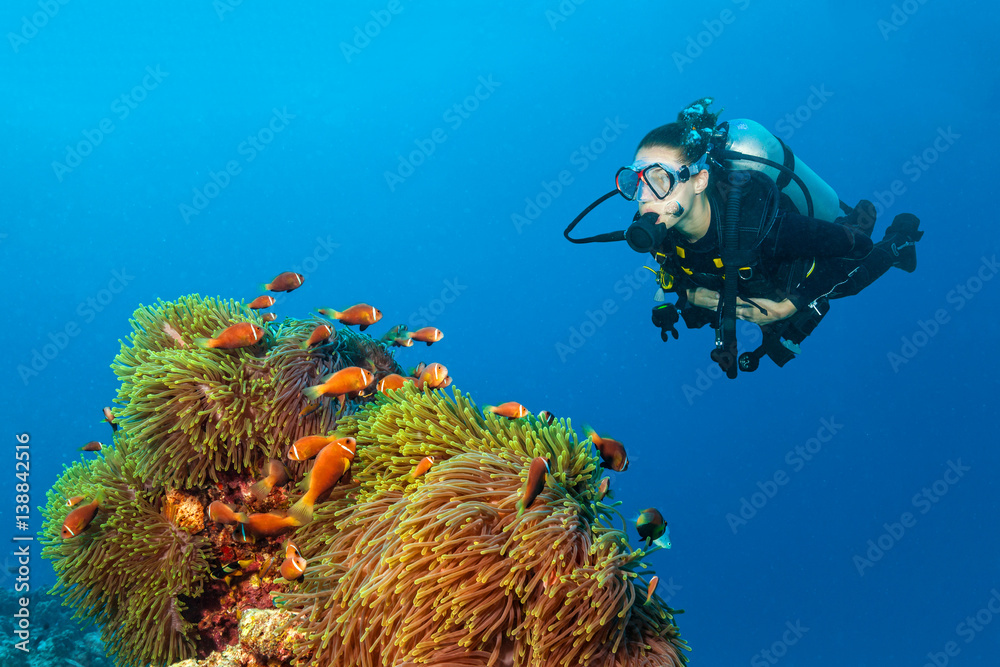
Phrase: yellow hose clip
(664, 279)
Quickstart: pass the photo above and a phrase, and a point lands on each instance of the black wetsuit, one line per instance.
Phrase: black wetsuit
(797, 257)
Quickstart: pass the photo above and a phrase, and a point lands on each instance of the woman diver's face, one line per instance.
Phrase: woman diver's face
(676, 206)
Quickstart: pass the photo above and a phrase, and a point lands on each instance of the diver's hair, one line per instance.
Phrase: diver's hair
(690, 134)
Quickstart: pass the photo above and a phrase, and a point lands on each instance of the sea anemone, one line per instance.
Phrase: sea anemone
(201, 412)
(442, 569)
(134, 569)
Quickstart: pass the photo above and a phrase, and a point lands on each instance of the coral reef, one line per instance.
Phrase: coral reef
(57, 639)
(403, 569)
(442, 570)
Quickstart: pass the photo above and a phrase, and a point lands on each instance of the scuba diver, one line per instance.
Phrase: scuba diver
(741, 228)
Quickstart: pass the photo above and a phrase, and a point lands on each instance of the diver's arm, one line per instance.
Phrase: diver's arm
(794, 236)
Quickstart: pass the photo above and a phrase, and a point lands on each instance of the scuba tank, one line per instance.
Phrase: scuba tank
(793, 177)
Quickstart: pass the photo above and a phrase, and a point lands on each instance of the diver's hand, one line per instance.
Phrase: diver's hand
(776, 310)
(703, 298)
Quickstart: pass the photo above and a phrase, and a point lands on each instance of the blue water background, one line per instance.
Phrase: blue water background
(82, 248)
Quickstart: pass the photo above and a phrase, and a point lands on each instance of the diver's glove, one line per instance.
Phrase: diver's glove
(861, 218)
(666, 316)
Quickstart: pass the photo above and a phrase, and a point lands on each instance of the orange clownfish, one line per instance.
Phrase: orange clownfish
(277, 475)
(92, 446)
(345, 381)
(332, 463)
(361, 313)
(74, 500)
(537, 471)
(283, 282)
(613, 455)
(220, 512)
(243, 334)
(110, 418)
(402, 341)
(510, 410)
(268, 317)
(391, 381)
(294, 565)
(270, 524)
(434, 376)
(422, 467)
(604, 490)
(77, 521)
(652, 587)
(428, 335)
(262, 302)
(305, 448)
(546, 417)
(319, 335)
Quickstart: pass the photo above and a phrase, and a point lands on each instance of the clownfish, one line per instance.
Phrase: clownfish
(220, 512)
(110, 418)
(398, 331)
(305, 448)
(546, 417)
(332, 463)
(277, 475)
(361, 313)
(239, 335)
(319, 335)
(428, 335)
(402, 342)
(92, 446)
(390, 382)
(653, 528)
(652, 587)
(604, 490)
(270, 524)
(268, 317)
(510, 410)
(74, 500)
(613, 455)
(77, 521)
(294, 565)
(345, 381)
(262, 302)
(423, 466)
(434, 376)
(537, 471)
(283, 282)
